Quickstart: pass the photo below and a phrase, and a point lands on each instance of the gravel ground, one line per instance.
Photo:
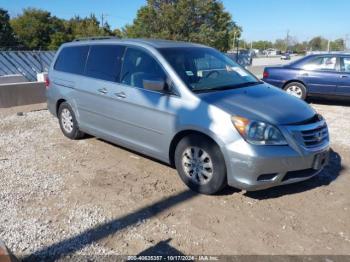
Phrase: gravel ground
(91, 197)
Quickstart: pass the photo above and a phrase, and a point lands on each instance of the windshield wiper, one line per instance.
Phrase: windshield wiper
(221, 88)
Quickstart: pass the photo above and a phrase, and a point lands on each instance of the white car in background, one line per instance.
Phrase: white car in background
(285, 56)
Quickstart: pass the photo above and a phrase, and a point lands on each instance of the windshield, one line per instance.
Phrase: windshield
(205, 69)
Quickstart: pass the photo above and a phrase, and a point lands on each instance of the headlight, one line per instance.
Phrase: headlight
(258, 133)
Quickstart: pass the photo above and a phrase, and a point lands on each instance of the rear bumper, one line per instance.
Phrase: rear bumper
(274, 82)
(51, 103)
(259, 167)
(51, 107)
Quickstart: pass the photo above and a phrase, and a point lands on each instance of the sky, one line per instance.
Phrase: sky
(260, 19)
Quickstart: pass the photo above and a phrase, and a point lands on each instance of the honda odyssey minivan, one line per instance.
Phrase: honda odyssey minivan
(190, 106)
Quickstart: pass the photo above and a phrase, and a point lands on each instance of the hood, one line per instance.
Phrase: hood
(261, 102)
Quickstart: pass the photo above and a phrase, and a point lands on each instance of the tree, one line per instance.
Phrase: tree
(318, 43)
(85, 27)
(33, 28)
(37, 29)
(58, 33)
(281, 44)
(300, 48)
(202, 21)
(118, 33)
(262, 45)
(58, 39)
(7, 38)
(242, 44)
(337, 45)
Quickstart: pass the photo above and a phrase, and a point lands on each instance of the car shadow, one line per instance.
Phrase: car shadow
(162, 248)
(131, 151)
(332, 101)
(65, 247)
(327, 176)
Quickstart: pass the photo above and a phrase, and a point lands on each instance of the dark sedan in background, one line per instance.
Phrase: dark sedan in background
(313, 75)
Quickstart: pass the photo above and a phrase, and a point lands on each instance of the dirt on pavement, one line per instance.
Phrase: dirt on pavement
(93, 197)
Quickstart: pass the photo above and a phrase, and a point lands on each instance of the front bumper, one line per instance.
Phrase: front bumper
(252, 167)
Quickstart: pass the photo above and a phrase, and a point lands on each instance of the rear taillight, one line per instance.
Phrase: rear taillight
(47, 82)
(265, 74)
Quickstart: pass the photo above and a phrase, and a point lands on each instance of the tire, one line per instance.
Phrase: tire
(296, 89)
(208, 175)
(66, 115)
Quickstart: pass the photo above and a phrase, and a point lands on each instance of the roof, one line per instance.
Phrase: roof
(155, 43)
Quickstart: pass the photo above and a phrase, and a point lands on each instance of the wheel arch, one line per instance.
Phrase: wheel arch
(181, 134)
(59, 102)
(295, 81)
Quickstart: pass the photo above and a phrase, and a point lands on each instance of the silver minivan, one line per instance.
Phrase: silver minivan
(190, 106)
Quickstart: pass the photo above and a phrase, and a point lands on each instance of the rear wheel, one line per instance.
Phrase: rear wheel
(68, 122)
(200, 164)
(296, 89)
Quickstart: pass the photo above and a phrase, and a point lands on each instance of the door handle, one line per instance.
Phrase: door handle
(102, 90)
(121, 95)
(343, 76)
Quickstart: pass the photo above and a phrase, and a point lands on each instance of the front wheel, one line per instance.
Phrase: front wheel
(296, 89)
(200, 164)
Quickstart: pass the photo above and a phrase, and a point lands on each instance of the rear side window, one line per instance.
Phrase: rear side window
(104, 62)
(321, 63)
(72, 59)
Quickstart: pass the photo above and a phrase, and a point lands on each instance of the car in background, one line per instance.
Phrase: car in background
(285, 56)
(243, 57)
(313, 75)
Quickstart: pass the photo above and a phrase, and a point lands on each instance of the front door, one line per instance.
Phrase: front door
(321, 75)
(144, 119)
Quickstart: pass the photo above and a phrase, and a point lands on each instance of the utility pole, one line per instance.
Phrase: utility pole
(103, 16)
(329, 46)
(287, 40)
(234, 39)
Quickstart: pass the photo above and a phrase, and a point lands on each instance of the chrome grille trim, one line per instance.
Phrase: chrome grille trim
(311, 135)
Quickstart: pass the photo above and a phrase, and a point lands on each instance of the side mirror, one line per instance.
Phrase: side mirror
(154, 85)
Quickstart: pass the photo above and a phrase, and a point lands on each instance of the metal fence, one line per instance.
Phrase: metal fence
(26, 63)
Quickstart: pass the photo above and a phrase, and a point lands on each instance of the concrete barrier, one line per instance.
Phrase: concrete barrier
(8, 79)
(19, 94)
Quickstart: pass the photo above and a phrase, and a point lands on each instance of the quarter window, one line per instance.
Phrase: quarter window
(72, 59)
(321, 63)
(139, 66)
(104, 62)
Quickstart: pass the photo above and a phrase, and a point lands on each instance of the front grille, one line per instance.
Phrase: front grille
(311, 135)
(315, 137)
